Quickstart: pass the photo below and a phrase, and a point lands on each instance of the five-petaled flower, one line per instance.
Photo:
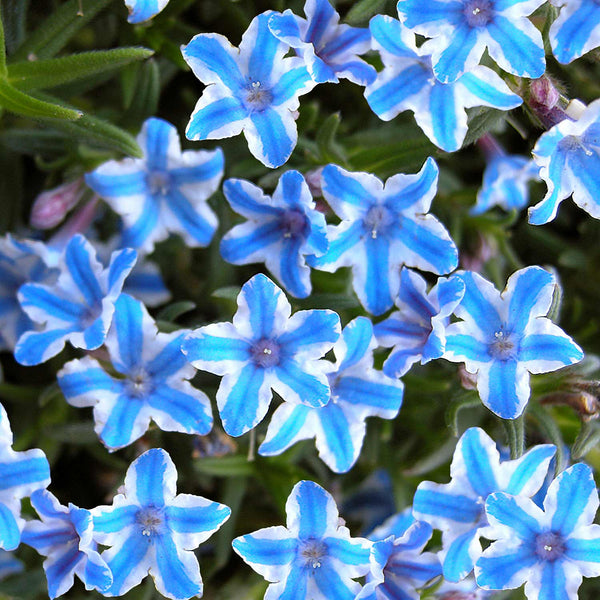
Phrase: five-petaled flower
(313, 557)
(280, 231)
(549, 549)
(152, 382)
(463, 29)
(505, 336)
(264, 348)
(165, 191)
(64, 535)
(78, 308)
(407, 83)
(358, 391)
(151, 530)
(417, 331)
(253, 89)
(457, 508)
(330, 50)
(569, 157)
(384, 227)
(21, 474)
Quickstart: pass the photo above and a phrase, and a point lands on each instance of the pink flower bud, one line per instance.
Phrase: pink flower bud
(51, 207)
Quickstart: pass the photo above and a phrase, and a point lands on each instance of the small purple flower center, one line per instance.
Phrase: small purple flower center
(159, 182)
(151, 520)
(89, 316)
(478, 13)
(377, 220)
(312, 552)
(265, 353)
(293, 223)
(549, 546)
(503, 345)
(572, 143)
(139, 383)
(258, 97)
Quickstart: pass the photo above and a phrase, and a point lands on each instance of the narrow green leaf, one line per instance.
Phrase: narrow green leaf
(56, 31)
(2, 47)
(28, 106)
(362, 11)
(14, 16)
(468, 399)
(173, 311)
(144, 101)
(33, 141)
(225, 466)
(587, 439)
(328, 148)
(481, 120)
(41, 74)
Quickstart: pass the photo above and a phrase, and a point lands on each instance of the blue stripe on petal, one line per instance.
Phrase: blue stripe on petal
(190, 220)
(36, 347)
(477, 305)
(569, 37)
(376, 295)
(266, 49)
(135, 233)
(496, 571)
(79, 259)
(357, 336)
(457, 57)
(294, 82)
(340, 444)
(86, 381)
(94, 335)
(584, 550)
(310, 327)
(498, 95)
(332, 586)
(9, 530)
(346, 187)
(355, 552)
(157, 133)
(196, 519)
(321, 15)
(117, 185)
(553, 348)
(293, 272)
(60, 571)
(121, 263)
(96, 575)
(128, 324)
(285, 26)
(531, 296)
(345, 42)
(261, 297)
(45, 300)
(28, 471)
(531, 466)
(310, 389)
(452, 507)
(153, 471)
(209, 169)
(118, 430)
(214, 116)
(284, 428)
(368, 393)
(504, 388)
(129, 557)
(339, 246)
(512, 512)
(186, 409)
(212, 348)
(44, 537)
(416, 12)
(168, 361)
(478, 458)
(239, 249)
(458, 562)
(115, 518)
(445, 117)
(412, 188)
(312, 506)
(248, 200)
(265, 551)
(269, 140)
(553, 582)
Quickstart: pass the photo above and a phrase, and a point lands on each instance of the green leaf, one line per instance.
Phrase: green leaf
(171, 312)
(482, 120)
(41, 74)
(28, 106)
(225, 466)
(329, 150)
(56, 31)
(144, 99)
(362, 11)
(2, 47)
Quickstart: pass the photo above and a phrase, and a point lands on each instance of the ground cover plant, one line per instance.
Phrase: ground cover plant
(299, 300)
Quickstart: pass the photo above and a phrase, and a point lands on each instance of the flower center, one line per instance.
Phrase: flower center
(265, 353)
(312, 552)
(377, 220)
(150, 519)
(89, 315)
(549, 546)
(503, 346)
(258, 97)
(139, 383)
(572, 143)
(159, 182)
(478, 13)
(293, 223)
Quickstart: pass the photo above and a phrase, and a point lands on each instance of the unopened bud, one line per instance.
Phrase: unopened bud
(50, 207)
(313, 179)
(544, 101)
(585, 403)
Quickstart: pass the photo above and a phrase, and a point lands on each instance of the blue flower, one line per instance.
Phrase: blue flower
(152, 381)
(9, 565)
(21, 474)
(358, 391)
(143, 10)
(263, 349)
(569, 157)
(253, 89)
(279, 231)
(398, 564)
(330, 50)
(417, 332)
(505, 183)
(78, 308)
(576, 30)
(313, 557)
(549, 550)
(463, 29)
(151, 530)
(407, 83)
(383, 228)
(456, 508)
(505, 336)
(64, 535)
(163, 192)
(21, 261)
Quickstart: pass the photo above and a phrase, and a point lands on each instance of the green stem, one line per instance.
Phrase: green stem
(515, 431)
(3, 69)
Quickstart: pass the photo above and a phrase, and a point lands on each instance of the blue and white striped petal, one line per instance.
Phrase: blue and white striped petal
(143, 10)
(575, 31)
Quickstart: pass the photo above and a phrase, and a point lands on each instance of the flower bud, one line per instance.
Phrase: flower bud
(50, 207)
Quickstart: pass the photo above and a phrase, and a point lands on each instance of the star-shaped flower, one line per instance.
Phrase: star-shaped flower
(64, 535)
(358, 391)
(163, 192)
(549, 550)
(408, 83)
(253, 89)
(383, 228)
(463, 29)
(21, 474)
(78, 308)
(151, 530)
(505, 336)
(456, 508)
(576, 30)
(280, 231)
(417, 332)
(21, 261)
(569, 157)
(264, 348)
(313, 557)
(153, 382)
(330, 50)
(143, 10)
